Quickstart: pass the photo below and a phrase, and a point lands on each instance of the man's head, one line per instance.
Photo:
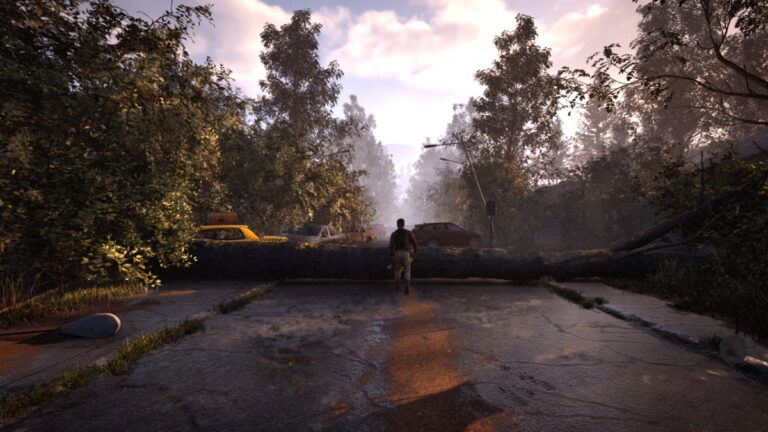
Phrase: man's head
(401, 223)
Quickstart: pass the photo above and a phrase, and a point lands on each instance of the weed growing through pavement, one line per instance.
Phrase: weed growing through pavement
(712, 341)
(15, 404)
(242, 300)
(130, 352)
(576, 297)
(119, 364)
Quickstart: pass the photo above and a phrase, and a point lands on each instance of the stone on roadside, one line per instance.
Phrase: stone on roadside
(93, 326)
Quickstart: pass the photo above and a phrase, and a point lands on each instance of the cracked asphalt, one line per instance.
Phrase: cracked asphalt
(447, 358)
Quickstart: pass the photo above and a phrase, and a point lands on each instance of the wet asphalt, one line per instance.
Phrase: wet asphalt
(363, 357)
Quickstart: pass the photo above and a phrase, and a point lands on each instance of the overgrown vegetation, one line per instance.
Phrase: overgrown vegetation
(114, 142)
(576, 297)
(121, 363)
(712, 289)
(62, 303)
(712, 341)
(670, 135)
(242, 301)
(16, 404)
(130, 352)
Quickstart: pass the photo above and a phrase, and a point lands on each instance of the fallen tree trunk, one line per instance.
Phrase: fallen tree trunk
(274, 262)
(709, 206)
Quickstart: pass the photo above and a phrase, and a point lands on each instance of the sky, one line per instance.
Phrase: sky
(408, 61)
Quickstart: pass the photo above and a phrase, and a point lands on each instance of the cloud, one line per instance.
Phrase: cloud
(578, 34)
(234, 39)
(440, 53)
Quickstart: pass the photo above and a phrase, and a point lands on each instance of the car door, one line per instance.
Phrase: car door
(456, 235)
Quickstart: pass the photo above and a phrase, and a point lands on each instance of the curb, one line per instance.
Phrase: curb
(102, 361)
(748, 363)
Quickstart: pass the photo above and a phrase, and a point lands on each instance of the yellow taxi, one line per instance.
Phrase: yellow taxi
(235, 233)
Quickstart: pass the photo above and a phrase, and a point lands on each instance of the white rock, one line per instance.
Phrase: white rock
(93, 326)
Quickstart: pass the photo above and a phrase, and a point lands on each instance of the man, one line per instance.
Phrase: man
(402, 245)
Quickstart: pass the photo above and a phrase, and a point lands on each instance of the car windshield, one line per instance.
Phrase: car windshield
(308, 230)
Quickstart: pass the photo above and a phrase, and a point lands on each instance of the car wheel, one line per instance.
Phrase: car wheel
(432, 243)
(474, 242)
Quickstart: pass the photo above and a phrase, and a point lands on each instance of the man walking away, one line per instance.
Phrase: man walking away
(402, 245)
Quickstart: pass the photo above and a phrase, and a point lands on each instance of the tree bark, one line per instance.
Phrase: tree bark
(284, 261)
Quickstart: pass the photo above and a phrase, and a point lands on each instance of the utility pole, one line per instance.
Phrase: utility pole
(461, 142)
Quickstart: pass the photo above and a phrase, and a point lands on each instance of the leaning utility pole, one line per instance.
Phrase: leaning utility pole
(489, 210)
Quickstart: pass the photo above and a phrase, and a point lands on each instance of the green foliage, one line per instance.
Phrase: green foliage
(16, 404)
(61, 303)
(705, 58)
(370, 158)
(511, 135)
(290, 166)
(242, 301)
(108, 139)
(576, 297)
(131, 351)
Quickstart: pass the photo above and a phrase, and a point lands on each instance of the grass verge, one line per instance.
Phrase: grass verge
(242, 300)
(18, 403)
(575, 296)
(130, 352)
(121, 363)
(57, 302)
(712, 341)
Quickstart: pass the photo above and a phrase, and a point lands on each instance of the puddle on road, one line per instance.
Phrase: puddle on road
(428, 389)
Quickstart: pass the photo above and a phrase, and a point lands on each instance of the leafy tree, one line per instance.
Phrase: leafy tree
(704, 55)
(296, 152)
(518, 136)
(516, 113)
(370, 157)
(109, 138)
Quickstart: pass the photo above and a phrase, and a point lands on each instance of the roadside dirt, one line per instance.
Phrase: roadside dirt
(430, 392)
(14, 346)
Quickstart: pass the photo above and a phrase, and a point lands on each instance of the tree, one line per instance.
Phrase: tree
(109, 139)
(516, 113)
(703, 55)
(298, 151)
(518, 138)
(370, 157)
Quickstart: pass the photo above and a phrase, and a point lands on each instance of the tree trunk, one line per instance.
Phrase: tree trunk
(284, 261)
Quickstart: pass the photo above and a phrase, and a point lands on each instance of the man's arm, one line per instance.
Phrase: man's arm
(412, 239)
(392, 244)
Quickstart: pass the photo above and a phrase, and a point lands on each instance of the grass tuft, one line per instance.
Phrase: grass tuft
(58, 302)
(121, 363)
(242, 300)
(544, 281)
(712, 341)
(576, 297)
(16, 404)
(130, 352)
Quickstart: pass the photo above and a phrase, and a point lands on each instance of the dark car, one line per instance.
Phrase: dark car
(437, 234)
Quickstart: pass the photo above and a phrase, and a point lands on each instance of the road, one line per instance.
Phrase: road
(447, 358)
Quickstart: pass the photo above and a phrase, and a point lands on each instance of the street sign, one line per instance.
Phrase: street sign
(490, 208)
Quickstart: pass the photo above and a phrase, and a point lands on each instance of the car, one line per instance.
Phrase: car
(436, 234)
(234, 233)
(381, 231)
(365, 235)
(314, 233)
